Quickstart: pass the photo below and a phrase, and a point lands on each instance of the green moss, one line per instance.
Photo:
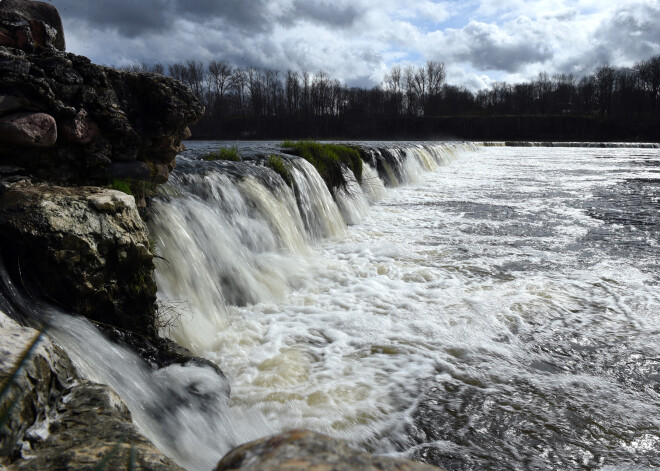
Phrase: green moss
(142, 282)
(122, 185)
(224, 153)
(327, 159)
(276, 163)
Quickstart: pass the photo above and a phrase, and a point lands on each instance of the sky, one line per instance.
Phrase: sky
(358, 41)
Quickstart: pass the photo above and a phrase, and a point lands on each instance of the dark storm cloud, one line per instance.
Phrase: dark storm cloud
(327, 13)
(136, 17)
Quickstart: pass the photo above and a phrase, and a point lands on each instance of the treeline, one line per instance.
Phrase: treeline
(415, 102)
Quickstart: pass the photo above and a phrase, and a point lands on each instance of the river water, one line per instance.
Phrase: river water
(493, 308)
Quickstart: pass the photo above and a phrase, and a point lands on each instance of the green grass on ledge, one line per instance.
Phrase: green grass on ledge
(224, 153)
(327, 159)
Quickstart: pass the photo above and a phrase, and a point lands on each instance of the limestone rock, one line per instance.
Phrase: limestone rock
(301, 450)
(28, 129)
(85, 248)
(63, 421)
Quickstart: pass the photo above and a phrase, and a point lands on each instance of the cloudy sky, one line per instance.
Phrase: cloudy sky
(357, 41)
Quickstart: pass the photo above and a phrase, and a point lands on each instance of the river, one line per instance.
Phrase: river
(494, 308)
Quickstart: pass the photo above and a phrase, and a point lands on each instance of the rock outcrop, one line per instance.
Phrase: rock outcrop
(84, 248)
(301, 450)
(68, 121)
(30, 25)
(62, 421)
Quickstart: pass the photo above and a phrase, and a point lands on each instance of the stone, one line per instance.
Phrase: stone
(130, 170)
(161, 173)
(43, 20)
(9, 103)
(111, 201)
(83, 248)
(62, 421)
(126, 116)
(301, 450)
(80, 129)
(28, 129)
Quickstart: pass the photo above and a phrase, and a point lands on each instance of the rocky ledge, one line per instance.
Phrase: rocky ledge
(69, 121)
(66, 124)
(301, 450)
(84, 248)
(62, 421)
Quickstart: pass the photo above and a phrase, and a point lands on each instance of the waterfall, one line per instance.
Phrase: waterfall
(234, 234)
(351, 200)
(320, 213)
(228, 234)
(182, 409)
(403, 164)
(607, 145)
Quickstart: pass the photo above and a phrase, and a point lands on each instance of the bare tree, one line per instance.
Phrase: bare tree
(194, 77)
(605, 85)
(220, 74)
(649, 75)
(177, 71)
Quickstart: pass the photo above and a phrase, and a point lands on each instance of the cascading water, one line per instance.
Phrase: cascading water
(495, 313)
(182, 409)
(435, 326)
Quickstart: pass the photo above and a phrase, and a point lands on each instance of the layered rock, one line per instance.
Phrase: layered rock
(300, 450)
(105, 123)
(84, 248)
(62, 421)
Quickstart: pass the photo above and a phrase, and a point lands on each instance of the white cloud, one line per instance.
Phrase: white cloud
(357, 40)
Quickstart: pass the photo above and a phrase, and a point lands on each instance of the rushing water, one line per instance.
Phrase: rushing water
(495, 308)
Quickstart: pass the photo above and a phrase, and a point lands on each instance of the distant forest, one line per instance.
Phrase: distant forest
(416, 103)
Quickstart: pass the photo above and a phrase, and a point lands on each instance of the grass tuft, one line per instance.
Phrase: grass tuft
(224, 153)
(122, 185)
(327, 159)
(276, 163)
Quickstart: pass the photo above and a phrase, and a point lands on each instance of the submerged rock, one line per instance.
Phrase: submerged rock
(301, 450)
(62, 421)
(84, 248)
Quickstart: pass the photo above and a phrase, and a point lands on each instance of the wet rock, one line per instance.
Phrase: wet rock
(130, 170)
(62, 421)
(28, 129)
(161, 173)
(157, 352)
(301, 450)
(84, 248)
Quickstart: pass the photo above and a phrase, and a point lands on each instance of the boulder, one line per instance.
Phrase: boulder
(84, 248)
(62, 421)
(40, 19)
(28, 129)
(301, 450)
